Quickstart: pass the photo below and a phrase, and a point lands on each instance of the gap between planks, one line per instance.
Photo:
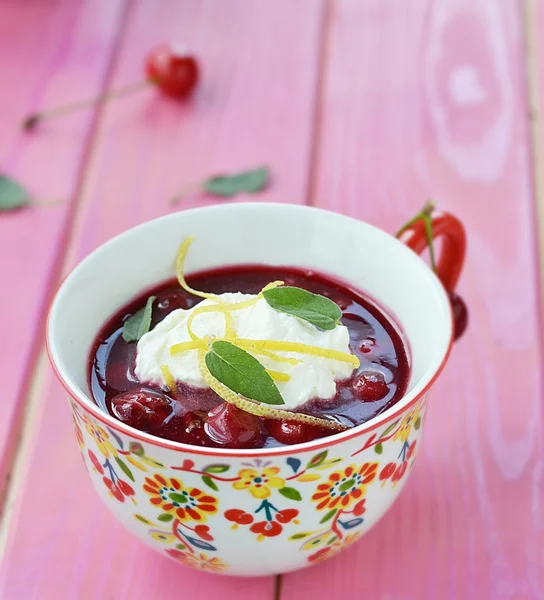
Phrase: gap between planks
(23, 445)
(319, 95)
(530, 14)
(38, 362)
(277, 587)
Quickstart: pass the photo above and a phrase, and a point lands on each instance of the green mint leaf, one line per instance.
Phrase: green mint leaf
(252, 181)
(12, 195)
(242, 373)
(315, 309)
(139, 323)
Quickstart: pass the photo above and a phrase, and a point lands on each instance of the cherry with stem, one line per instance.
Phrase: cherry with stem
(458, 306)
(175, 72)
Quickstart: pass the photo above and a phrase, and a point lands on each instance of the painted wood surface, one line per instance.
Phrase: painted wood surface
(369, 115)
(144, 150)
(42, 66)
(445, 116)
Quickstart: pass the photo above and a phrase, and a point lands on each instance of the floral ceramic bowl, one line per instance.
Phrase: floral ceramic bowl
(265, 511)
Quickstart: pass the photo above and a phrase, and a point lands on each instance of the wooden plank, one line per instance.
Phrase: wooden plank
(254, 105)
(534, 50)
(428, 100)
(150, 146)
(50, 53)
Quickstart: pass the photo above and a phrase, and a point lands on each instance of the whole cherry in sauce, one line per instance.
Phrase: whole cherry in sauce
(233, 428)
(142, 409)
(199, 417)
(370, 386)
(293, 432)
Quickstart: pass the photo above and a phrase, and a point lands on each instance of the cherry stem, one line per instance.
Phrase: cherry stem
(188, 190)
(48, 202)
(425, 214)
(32, 120)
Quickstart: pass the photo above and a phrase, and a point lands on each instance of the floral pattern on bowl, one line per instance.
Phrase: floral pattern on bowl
(192, 506)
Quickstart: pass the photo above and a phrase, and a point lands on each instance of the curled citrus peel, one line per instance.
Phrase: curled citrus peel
(184, 346)
(278, 375)
(277, 357)
(180, 262)
(257, 409)
(199, 310)
(168, 378)
(268, 348)
(258, 345)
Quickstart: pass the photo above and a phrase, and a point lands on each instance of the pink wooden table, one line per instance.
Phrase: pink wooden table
(366, 107)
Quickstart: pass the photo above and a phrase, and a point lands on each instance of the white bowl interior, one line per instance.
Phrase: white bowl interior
(274, 234)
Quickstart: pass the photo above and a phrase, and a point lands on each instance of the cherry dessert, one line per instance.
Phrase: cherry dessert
(200, 417)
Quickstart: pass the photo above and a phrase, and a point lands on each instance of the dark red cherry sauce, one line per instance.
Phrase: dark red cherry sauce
(200, 417)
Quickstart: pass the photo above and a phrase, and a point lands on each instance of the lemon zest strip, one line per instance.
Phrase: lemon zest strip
(278, 375)
(180, 262)
(185, 346)
(198, 310)
(277, 357)
(230, 331)
(253, 301)
(262, 347)
(168, 378)
(258, 409)
(271, 285)
(299, 348)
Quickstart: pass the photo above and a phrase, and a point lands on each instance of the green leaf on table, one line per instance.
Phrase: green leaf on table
(12, 194)
(290, 493)
(317, 310)
(139, 323)
(251, 181)
(242, 373)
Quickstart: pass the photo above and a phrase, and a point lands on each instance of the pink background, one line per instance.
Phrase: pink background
(366, 107)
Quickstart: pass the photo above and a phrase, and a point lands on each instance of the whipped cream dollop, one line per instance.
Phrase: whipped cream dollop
(312, 377)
